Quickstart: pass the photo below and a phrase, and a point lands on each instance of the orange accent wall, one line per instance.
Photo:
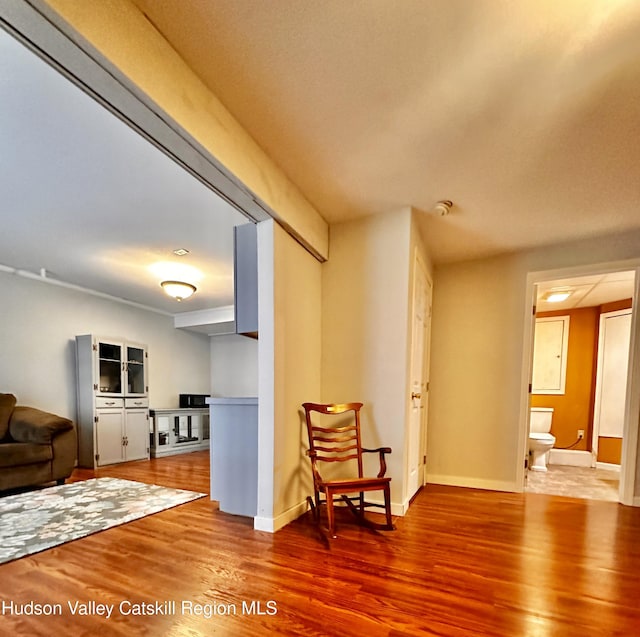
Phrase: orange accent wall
(574, 409)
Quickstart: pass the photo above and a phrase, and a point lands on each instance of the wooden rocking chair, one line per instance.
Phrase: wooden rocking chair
(341, 444)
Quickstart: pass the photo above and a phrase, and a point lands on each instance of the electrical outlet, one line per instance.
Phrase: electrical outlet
(580, 434)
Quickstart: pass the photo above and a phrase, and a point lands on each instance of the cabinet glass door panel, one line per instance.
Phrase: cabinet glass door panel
(109, 368)
(205, 427)
(183, 430)
(135, 370)
(195, 426)
(163, 430)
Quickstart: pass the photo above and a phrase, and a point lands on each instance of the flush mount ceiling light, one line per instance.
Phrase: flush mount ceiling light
(181, 252)
(556, 295)
(179, 290)
(442, 208)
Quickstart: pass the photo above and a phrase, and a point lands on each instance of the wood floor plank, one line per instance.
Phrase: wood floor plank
(462, 562)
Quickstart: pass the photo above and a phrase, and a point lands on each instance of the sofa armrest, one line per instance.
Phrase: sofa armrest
(33, 425)
(65, 454)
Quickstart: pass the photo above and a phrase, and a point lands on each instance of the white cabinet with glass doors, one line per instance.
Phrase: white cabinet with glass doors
(113, 404)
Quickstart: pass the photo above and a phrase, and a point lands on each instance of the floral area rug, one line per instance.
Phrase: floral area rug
(38, 520)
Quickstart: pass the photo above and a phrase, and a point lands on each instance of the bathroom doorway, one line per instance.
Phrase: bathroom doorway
(579, 349)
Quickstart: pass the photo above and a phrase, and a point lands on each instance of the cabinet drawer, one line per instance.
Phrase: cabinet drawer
(136, 402)
(103, 401)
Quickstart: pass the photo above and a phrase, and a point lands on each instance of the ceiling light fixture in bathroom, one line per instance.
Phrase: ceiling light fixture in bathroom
(556, 295)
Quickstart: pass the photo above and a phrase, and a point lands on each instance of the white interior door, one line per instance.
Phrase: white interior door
(611, 376)
(419, 369)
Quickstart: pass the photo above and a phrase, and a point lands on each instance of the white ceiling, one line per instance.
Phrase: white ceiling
(94, 204)
(525, 114)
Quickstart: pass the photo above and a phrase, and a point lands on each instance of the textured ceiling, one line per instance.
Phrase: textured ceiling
(525, 114)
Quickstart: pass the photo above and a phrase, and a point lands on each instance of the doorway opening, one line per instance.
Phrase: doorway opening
(579, 438)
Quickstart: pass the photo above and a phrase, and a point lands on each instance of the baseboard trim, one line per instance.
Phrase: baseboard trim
(608, 465)
(271, 525)
(473, 483)
(261, 523)
(570, 457)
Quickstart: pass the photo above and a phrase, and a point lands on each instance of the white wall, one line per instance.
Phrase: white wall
(290, 311)
(38, 326)
(234, 366)
(365, 330)
(477, 349)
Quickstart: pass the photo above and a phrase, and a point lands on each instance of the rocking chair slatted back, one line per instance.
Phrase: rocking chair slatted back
(335, 444)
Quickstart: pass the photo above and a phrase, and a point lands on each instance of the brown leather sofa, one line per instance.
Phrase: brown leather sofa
(36, 447)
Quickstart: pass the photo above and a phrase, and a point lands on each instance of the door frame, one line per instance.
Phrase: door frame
(629, 458)
(426, 374)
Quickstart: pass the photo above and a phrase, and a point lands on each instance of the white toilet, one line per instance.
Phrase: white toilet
(540, 440)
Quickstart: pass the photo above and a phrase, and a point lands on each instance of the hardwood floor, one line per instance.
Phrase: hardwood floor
(462, 562)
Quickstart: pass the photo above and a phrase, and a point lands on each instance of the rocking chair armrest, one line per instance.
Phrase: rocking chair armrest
(383, 464)
(317, 478)
(380, 450)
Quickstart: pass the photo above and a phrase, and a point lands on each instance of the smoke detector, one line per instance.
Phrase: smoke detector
(442, 208)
